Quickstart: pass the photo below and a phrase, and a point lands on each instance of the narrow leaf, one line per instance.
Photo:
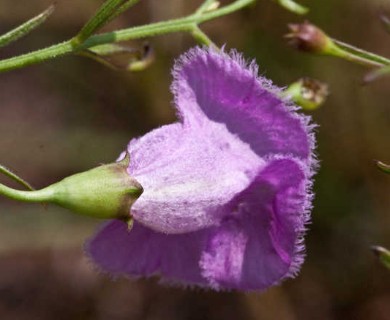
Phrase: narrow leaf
(127, 5)
(383, 255)
(376, 74)
(26, 27)
(382, 166)
(386, 21)
(14, 177)
(106, 13)
(98, 20)
(294, 7)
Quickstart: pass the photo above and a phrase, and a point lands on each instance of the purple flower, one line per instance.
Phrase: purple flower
(226, 189)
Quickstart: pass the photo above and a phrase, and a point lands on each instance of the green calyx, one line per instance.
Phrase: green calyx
(105, 192)
(308, 93)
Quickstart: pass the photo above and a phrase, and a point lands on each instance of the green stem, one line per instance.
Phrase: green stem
(201, 37)
(43, 195)
(361, 56)
(185, 24)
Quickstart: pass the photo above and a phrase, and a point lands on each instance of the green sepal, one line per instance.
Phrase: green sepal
(308, 93)
(105, 192)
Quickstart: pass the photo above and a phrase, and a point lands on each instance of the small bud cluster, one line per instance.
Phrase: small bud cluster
(307, 37)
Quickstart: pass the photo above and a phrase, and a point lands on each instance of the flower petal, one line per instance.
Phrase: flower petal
(255, 247)
(143, 252)
(231, 120)
(218, 87)
(188, 176)
(261, 243)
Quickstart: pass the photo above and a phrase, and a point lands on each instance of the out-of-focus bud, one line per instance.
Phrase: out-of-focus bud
(143, 59)
(383, 166)
(308, 37)
(307, 93)
(383, 255)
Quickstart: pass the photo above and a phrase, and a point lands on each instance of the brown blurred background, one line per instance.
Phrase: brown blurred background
(71, 114)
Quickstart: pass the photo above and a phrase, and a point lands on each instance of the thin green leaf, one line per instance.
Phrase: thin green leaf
(376, 74)
(72, 46)
(98, 20)
(26, 27)
(14, 177)
(294, 7)
(106, 13)
(386, 21)
(127, 5)
(382, 166)
(383, 255)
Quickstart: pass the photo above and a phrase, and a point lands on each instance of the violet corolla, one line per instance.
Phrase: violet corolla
(226, 188)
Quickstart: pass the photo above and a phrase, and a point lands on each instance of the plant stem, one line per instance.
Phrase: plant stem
(361, 56)
(42, 195)
(185, 24)
(201, 37)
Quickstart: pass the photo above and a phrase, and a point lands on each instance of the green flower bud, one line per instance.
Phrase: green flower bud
(308, 93)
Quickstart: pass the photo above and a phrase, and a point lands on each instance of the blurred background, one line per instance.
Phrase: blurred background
(72, 114)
